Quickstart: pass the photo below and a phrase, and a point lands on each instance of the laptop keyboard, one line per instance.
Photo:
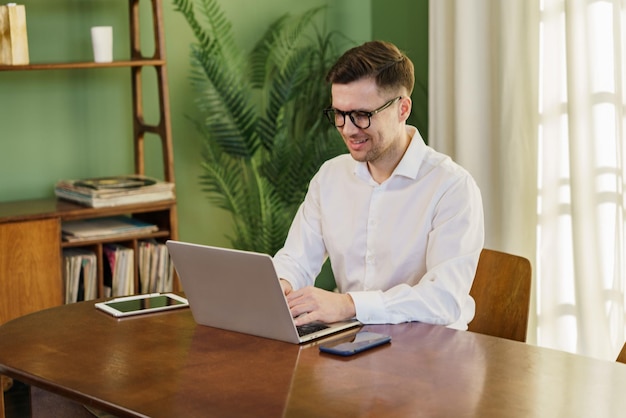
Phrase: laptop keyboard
(307, 329)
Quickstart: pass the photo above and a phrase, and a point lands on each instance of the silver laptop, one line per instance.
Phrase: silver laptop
(239, 291)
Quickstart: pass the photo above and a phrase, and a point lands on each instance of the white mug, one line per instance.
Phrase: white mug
(102, 41)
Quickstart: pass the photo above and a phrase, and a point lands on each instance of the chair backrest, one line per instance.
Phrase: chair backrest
(501, 290)
(621, 358)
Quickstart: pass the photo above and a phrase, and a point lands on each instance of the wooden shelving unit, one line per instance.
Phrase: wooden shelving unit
(30, 231)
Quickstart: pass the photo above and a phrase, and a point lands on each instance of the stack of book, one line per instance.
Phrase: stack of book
(103, 192)
(156, 270)
(119, 270)
(79, 275)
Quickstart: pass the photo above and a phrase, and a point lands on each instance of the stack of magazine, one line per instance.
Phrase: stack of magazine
(107, 227)
(103, 192)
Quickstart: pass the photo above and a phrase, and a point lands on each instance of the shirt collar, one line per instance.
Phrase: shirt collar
(410, 162)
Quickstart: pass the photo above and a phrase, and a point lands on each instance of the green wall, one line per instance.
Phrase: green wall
(72, 124)
(405, 23)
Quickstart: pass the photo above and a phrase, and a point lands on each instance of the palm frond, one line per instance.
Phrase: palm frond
(187, 9)
(226, 102)
(259, 57)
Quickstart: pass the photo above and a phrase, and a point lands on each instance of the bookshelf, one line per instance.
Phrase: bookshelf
(31, 244)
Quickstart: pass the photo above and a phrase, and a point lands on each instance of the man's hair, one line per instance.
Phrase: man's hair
(380, 60)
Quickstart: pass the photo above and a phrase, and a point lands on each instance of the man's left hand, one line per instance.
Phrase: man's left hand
(319, 305)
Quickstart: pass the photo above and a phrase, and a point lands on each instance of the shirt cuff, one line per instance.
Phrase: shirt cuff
(288, 274)
(369, 307)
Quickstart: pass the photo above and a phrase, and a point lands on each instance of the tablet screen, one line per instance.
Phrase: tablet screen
(142, 304)
(133, 305)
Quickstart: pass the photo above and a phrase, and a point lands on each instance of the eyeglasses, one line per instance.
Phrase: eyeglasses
(359, 118)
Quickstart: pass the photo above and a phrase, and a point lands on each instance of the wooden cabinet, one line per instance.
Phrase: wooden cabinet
(30, 231)
(30, 267)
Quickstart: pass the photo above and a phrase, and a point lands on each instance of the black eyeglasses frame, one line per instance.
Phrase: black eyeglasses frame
(331, 114)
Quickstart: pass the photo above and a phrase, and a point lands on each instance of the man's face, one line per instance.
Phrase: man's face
(377, 142)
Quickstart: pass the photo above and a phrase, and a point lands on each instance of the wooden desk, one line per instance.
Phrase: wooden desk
(163, 365)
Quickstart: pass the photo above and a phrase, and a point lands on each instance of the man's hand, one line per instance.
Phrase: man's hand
(319, 305)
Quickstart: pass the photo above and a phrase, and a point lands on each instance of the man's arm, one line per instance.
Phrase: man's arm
(440, 295)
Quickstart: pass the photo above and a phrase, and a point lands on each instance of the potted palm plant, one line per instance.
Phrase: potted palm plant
(263, 134)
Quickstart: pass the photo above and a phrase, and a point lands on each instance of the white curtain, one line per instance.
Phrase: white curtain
(529, 96)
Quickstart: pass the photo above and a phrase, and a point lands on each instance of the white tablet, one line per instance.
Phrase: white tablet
(141, 304)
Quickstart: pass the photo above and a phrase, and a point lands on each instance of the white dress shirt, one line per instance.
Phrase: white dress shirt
(405, 250)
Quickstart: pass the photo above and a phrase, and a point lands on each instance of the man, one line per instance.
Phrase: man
(401, 223)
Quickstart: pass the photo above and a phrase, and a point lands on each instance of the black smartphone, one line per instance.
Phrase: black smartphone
(348, 346)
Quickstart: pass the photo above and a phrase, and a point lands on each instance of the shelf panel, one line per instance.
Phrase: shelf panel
(83, 65)
(26, 210)
(118, 238)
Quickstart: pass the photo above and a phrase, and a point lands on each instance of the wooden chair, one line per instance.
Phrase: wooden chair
(621, 358)
(501, 290)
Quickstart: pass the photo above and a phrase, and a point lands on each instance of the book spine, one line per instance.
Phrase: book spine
(13, 35)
